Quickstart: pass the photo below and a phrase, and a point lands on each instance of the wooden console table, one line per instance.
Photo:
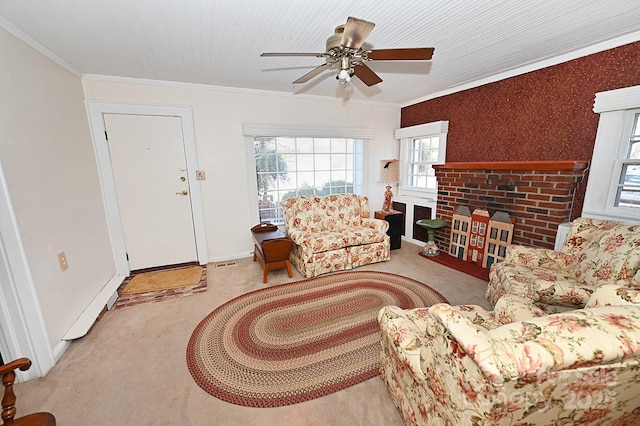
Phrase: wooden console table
(272, 248)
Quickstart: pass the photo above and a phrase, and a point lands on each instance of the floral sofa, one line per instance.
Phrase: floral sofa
(334, 233)
(516, 365)
(596, 252)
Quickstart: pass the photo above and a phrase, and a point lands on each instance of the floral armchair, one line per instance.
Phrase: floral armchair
(334, 233)
(462, 365)
(597, 252)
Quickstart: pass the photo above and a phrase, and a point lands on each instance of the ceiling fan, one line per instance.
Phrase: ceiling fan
(344, 49)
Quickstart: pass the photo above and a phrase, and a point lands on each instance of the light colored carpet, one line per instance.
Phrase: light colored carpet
(163, 280)
(131, 370)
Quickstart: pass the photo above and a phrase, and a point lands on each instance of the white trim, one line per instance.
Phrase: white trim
(88, 317)
(252, 179)
(19, 34)
(60, 349)
(275, 130)
(96, 111)
(406, 135)
(618, 99)
(22, 326)
(610, 145)
(425, 129)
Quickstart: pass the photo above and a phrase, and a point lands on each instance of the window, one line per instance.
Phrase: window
(628, 184)
(613, 187)
(421, 147)
(423, 153)
(290, 166)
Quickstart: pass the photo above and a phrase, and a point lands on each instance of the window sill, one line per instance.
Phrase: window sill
(421, 194)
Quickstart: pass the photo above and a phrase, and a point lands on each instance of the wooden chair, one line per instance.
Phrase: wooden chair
(9, 399)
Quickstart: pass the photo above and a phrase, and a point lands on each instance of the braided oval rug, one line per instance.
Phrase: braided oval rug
(294, 342)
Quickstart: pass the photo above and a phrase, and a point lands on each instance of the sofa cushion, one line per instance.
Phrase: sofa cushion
(338, 212)
(613, 295)
(333, 240)
(611, 257)
(511, 308)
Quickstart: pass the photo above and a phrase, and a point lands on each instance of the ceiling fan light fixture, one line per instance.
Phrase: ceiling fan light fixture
(344, 76)
(346, 71)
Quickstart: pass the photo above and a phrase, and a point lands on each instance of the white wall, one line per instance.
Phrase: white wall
(218, 118)
(50, 168)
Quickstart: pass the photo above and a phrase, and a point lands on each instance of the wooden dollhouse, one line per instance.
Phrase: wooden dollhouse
(478, 237)
(459, 242)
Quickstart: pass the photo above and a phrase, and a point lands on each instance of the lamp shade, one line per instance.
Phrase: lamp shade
(390, 171)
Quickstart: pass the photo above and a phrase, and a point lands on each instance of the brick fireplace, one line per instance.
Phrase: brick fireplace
(538, 194)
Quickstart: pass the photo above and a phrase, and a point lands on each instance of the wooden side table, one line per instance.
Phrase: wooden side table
(396, 220)
(272, 248)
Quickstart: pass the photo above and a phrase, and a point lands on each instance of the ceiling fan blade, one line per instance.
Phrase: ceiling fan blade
(356, 32)
(308, 76)
(317, 55)
(412, 54)
(366, 74)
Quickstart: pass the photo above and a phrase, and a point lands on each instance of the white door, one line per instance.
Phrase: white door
(150, 174)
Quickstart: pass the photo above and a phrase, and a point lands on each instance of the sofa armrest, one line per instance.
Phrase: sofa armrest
(613, 295)
(569, 340)
(377, 224)
(562, 292)
(539, 257)
(297, 236)
(551, 343)
(406, 329)
(511, 308)
(469, 337)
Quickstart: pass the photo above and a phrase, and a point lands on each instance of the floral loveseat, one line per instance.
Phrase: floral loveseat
(597, 252)
(334, 233)
(462, 365)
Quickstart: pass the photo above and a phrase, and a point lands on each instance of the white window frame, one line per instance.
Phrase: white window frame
(406, 135)
(251, 130)
(617, 109)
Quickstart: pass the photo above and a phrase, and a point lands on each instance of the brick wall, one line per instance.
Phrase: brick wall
(538, 194)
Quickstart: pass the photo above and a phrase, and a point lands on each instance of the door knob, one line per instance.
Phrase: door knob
(182, 192)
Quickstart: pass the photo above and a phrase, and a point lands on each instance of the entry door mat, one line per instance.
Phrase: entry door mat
(159, 285)
(297, 341)
(459, 265)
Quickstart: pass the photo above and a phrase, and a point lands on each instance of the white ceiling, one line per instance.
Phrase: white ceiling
(218, 42)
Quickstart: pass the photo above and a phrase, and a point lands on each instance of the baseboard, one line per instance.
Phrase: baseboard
(230, 257)
(60, 349)
(91, 312)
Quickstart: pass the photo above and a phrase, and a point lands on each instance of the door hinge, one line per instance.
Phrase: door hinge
(127, 254)
(106, 136)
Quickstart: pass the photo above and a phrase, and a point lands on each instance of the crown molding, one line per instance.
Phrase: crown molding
(20, 35)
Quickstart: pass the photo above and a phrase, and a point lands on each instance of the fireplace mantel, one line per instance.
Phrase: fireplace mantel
(515, 165)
